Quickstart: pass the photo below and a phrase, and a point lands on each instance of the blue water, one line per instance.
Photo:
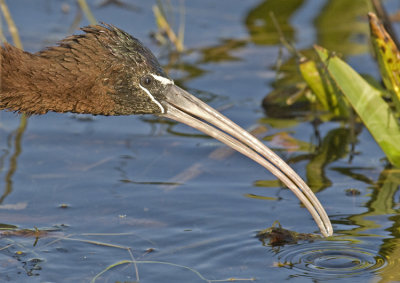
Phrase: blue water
(126, 182)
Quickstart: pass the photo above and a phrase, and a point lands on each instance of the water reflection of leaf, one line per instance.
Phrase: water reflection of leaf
(335, 145)
(382, 203)
(221, 52)
(4, 226)
(268, 183)
(259, 197)
(341, 26)
(391, 249)
(277, 107)
(382, 200)
(178, 62)
(259, 22)
(350, 172)
(190, 71)
(13, 164)
(187, 70)
(279, 123)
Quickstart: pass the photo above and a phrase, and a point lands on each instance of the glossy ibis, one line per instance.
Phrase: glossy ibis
(105, 71)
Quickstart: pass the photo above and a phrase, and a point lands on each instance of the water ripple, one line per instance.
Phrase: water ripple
(330, 260)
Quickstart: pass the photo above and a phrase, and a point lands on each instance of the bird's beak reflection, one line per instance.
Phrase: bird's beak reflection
(183, 107)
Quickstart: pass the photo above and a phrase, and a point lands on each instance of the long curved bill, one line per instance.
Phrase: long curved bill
(183, 107)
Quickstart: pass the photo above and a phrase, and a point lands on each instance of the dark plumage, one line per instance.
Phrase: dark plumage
(106, 71)
(97, 72)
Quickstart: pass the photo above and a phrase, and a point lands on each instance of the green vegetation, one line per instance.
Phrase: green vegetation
(367, 101)
(337, 88)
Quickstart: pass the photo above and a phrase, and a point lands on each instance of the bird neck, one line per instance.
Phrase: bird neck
(42, 82)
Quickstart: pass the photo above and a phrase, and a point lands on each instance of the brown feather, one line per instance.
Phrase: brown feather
(96, 72)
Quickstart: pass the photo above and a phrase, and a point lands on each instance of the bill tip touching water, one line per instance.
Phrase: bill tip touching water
(105, 71)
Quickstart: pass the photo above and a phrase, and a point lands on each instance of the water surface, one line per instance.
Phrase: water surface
(115, 189)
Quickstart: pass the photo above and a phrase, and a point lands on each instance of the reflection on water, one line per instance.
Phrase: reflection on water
(193, 192)
(341, 26)
(13, 163)
(334, 146)
(330, 260)
(259, 22)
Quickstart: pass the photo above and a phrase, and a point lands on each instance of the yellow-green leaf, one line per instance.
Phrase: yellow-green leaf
(388, 57)
(328, 97)
(367, 101)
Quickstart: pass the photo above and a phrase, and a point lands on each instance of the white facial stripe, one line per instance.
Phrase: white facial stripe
(153, 99)
(163, 80)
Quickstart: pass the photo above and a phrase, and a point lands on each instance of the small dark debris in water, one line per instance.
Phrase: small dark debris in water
(279, 236)
(352, 192)
(19, 253)
(63, 205)
(31, 266)
(62, 250)
(150, 250)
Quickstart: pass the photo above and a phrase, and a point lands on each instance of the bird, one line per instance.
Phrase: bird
(105, 71)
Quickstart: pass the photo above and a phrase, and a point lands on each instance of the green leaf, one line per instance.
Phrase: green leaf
(367, 102)
(327, 95)
(388, 57)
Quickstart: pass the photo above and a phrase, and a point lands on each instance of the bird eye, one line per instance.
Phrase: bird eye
(146, 80)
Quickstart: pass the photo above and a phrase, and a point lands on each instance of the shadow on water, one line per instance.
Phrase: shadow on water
(13, 161)
(144, 200)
